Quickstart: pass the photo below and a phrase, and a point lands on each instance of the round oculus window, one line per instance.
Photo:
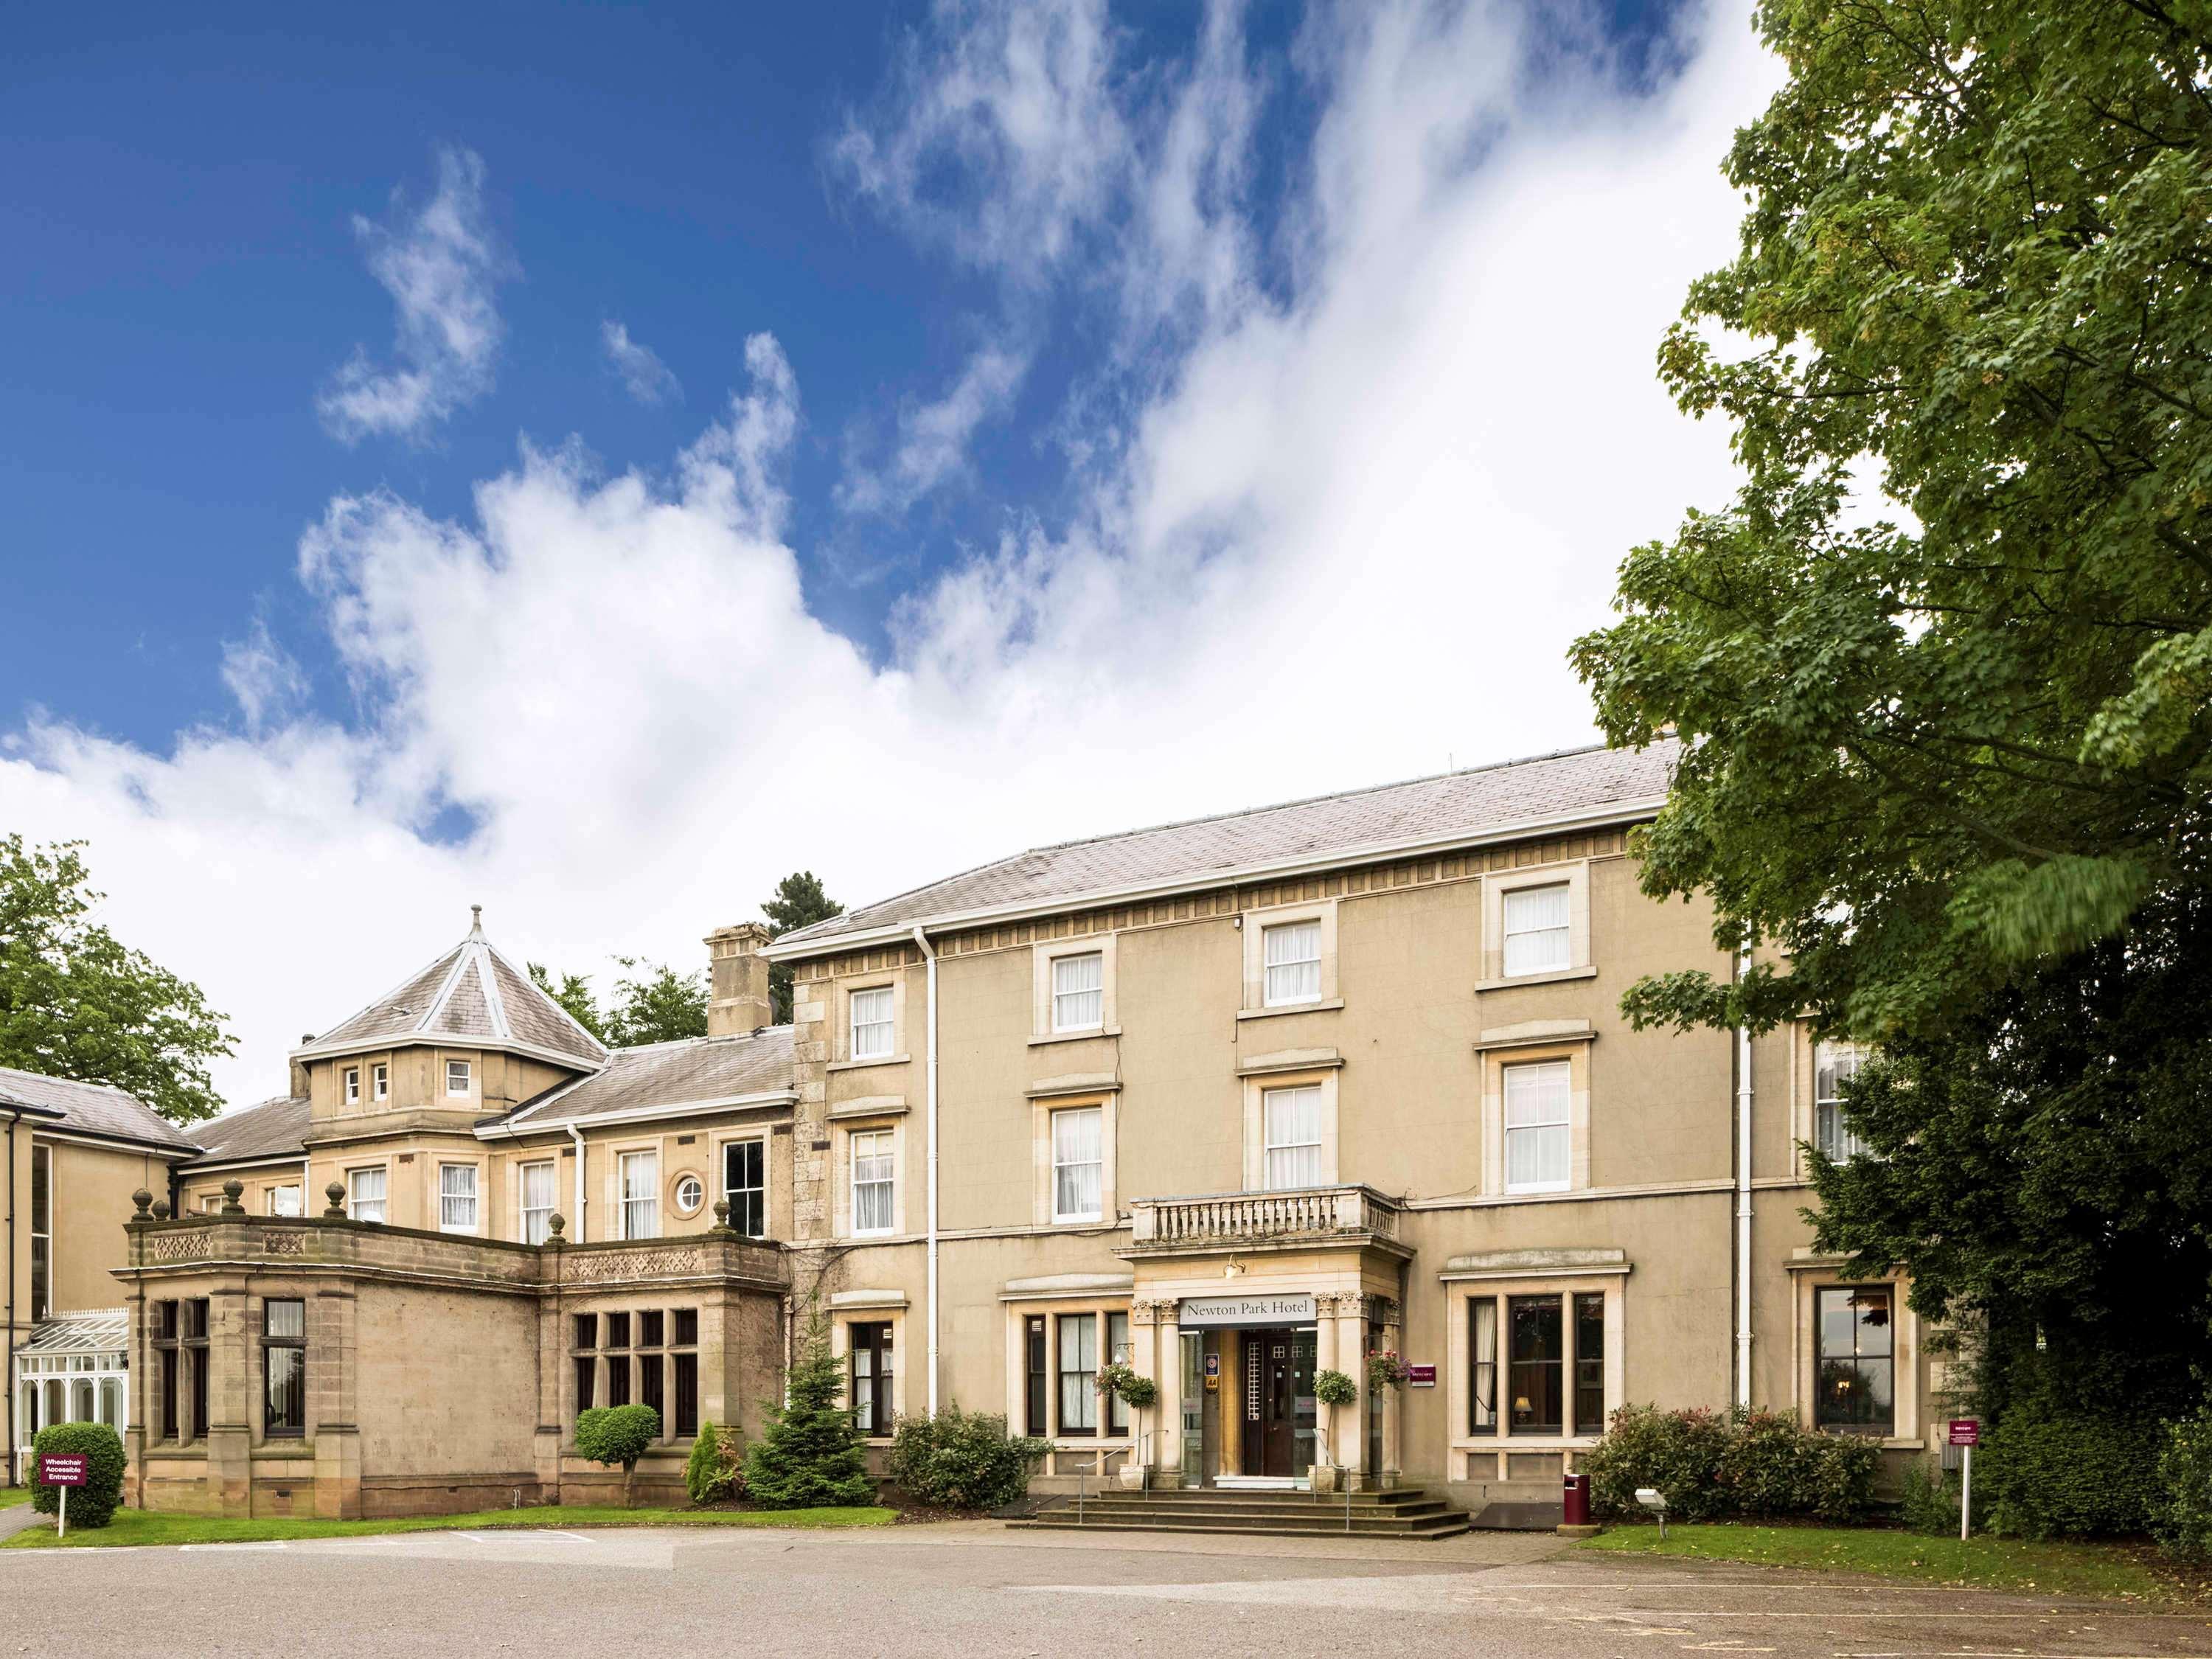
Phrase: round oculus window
(689, 1193)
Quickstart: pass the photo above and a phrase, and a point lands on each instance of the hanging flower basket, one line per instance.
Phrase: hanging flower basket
(1385, 1370)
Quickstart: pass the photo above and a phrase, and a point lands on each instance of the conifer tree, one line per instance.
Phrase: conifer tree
(811, 1455)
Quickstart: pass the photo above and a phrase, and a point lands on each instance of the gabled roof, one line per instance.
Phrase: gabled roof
(685, 1075)
(94, 1109)
(275, 1128)
(1544, 794)
(471, 995)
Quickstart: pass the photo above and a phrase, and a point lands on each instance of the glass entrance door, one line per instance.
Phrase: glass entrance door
(1278, 1374)
(1194, 1408)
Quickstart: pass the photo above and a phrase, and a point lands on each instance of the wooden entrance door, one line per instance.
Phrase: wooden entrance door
(1277, 1373)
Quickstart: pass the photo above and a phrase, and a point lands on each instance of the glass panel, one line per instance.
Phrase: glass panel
(1078, 1370)
(871, 1023)
(1589, 1363)
(745, 1185)
(1536, 934)
(1834, 1065)
(1291, 1120)
(1077, 1140)
(284, 1201)
(1539, 1140)
(1482, 1351)
(366, 1189)
(1078, 996)
(457, 1197)
(872, 1208)
(1855, 1367)
(1038, 1378)
(536, 1203)
(1120, 1351)
(457, 1077)
(111, 1402)
(1537, 1353)
(640, 1188)
(1292, 958)
(285, 1410)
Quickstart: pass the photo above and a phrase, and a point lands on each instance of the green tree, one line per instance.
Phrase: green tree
(1951, 769)
(617, 1436)
(811, 1454)
(573, 993)
(798, 901)
(76, 1002)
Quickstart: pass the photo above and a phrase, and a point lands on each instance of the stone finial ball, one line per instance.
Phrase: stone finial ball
(160, 1209)
(141, 1199)
(556, 1224)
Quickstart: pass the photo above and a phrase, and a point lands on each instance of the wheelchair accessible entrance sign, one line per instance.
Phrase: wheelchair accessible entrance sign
(65, 1470)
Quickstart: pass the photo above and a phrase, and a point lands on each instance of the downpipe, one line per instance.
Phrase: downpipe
(929, 955)
(1743, 1104)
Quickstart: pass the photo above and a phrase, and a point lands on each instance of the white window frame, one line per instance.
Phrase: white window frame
(1574, 876)
(1314, 1151)
(356, 1198)
(299, 1199)
(633, 1205)
(449, 1201)
(536, 1218)
(887, 1023)
(880, 1145)
(353, 1086)
(1096, 1162)
(1843, 1058)
(468, 1072)
(379, 1081)
(1308, 968)
(1561, 931)
(1535, 1073)
(1069, 1009)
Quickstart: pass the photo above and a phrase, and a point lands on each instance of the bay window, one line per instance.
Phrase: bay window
(1079, 1373)
(283, 1368)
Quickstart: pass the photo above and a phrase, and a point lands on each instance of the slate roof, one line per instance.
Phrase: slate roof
(687, 1073)
(275, 1128)
(93, 1107)
(1479, 800)
(471, 994)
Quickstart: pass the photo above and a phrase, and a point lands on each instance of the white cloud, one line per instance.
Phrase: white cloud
(647, 379)
(441, 265)
(933, 437)
(1347, 531)
(264, 678)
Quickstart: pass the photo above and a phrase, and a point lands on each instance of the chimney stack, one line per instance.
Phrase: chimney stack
(736, 1001)
(298, 1080)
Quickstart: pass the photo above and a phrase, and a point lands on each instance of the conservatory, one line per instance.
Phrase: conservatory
(72, 1370)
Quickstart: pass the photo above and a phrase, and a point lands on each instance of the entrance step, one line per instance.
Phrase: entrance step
(1402, 1514)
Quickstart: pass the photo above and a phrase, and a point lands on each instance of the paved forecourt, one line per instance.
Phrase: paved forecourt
(974, 1591)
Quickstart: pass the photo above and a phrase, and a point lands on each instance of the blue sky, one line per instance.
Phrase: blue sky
(1060, 415)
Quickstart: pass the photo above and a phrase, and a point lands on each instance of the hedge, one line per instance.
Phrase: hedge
(92, 1504)
(1714, 1466)
(2056, 1473)
(961, 1459)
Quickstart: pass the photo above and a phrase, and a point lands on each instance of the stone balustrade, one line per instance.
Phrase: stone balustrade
(1251, 1219)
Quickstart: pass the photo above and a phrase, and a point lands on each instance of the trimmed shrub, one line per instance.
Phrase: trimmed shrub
(94, 1503)
(961, 1459)
(617, 1435)
(1334, 1389)
(2183, 1520)
(714, 1473)
(2056, 1473)
(1711, 1467)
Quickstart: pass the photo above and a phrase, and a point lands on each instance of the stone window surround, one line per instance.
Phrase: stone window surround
(515, 1165)
(1574, 1049)
(1463, 1286)
(840, 1031)
(1804, 1107)
(354, 1166)
(1050, 1309)
(1254, 925)
(1042, 955)
(1041, 1110)
(445, 1076)
(1810, 1273)
(724, 1138)
(842, 1131)
(599, 1307)
(1256, 1086)
(258, 1393)
(850, 1308)
(1496, 884)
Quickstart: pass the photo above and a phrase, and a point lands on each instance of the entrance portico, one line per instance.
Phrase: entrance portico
(1239, 1301)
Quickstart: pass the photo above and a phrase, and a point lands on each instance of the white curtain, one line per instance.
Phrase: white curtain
(1293, 962)
(1076, 1144)
(1293, 1130)
(366, 1189)
(1536, 929)
(1538, 1146)
(1079, 992)
(871, 1182)
(640, 1187)
(457, 1197)
(536, 1203)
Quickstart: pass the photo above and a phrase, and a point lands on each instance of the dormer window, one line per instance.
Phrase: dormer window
(456, 1079)
(353, 1086)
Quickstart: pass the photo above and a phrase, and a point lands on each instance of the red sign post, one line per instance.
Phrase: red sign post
(64, 1469)
(1965, 1434)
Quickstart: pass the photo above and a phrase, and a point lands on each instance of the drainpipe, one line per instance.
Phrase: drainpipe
(930, 956)
(14, 1117)
(1743, 1197)
(577, 1135)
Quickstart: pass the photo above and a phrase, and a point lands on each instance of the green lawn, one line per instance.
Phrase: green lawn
(2056, 1568)
(11, 1496)
(142, 1526)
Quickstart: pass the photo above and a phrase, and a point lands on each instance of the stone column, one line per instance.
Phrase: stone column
(1325, 1360)
(1393, 1398)
(1351, 1358)
(1169, 1375)
(333, 1401)
(229, 1357)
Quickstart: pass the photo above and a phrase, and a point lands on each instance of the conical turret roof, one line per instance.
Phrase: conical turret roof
(470, 996)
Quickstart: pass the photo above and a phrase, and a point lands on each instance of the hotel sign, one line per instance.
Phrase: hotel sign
(1244, 1312)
